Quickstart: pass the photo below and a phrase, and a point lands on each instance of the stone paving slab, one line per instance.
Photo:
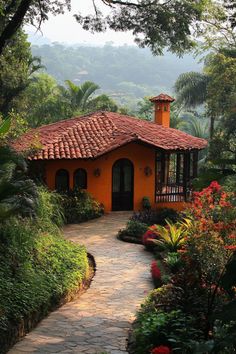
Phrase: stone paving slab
(99, 321)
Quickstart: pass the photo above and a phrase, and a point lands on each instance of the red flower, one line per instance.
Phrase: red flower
(161, 350)
(230, 247)
(215, 185)
(156, 273)
(148, 237)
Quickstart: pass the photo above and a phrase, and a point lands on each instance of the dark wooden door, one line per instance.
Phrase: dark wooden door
(122, 185)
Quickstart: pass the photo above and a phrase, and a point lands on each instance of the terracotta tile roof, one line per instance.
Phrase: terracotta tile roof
(162, 97)
(97, 133)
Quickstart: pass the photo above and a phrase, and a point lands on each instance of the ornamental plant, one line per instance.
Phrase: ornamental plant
(156, 274)
(172, 236)
(148, 238)
(212, 209)
(210, 245)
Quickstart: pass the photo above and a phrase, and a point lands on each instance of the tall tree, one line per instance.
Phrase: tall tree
(16, 67)
(44, 101)
(13, 13)
(156, 24)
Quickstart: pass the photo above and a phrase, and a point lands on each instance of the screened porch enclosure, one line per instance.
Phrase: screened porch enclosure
(174, 174)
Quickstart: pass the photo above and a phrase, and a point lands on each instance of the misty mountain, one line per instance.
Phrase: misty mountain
(127, 73)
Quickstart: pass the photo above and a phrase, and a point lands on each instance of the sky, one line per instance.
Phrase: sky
(64, 28)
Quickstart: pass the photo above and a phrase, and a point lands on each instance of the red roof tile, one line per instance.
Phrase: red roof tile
(163, 98)
(97, 133)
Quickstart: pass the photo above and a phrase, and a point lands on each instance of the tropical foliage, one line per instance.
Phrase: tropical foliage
(195, 311)
(18, 194)
(79, 206)
(37, 267)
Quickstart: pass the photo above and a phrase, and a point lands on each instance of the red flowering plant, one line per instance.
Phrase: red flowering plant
(148, 238)
(156, 274)
(161, 350)
(212, 209)
(210, 246)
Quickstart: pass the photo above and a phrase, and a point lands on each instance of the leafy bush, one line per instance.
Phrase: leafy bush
(172, 236)
(173, 261)
(157, 216)
(37, 266)
(134, 230)
(36, 269)
(49, 207)
(173, 329)
(229, 183)
(201, 293)
(18, 193)
(79, 206)
(146, 204)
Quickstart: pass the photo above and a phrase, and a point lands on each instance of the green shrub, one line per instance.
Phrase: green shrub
(79, 206)
(173, 329)
(50, 207)
(36, 269)
(173, 261)
(229, 183)
(146, 203)
(135, 229)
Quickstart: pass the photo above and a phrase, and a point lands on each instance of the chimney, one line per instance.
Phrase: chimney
(162, 109)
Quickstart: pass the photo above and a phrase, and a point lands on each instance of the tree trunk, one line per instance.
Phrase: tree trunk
(14, 23)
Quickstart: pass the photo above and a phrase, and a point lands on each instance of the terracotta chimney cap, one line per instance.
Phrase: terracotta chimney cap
(162, 98)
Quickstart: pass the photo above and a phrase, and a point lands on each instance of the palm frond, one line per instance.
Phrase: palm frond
(191, 89)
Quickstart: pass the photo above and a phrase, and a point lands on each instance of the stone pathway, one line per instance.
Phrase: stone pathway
(98, 322)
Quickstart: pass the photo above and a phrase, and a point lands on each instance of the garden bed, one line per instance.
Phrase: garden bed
(192, 308)
(18, 329)
(39, 269)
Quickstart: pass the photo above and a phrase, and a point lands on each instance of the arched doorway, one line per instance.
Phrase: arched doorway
(122, 185)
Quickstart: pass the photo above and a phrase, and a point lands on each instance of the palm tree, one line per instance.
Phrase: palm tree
(18, 193)
(197, 127)
(79, 95)
(191, 89)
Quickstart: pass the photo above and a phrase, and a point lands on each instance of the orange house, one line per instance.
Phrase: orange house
(118, 159)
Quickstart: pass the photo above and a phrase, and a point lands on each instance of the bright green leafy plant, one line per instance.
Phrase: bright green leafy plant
(172, 236)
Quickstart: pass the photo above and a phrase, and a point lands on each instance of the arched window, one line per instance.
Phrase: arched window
(80, 178)
(62, 181)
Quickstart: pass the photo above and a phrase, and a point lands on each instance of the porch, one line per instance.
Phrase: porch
(175, 172)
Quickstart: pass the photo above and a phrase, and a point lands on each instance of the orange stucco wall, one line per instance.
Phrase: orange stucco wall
(101, 187)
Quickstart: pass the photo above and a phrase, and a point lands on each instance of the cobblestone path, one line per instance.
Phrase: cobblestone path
(99, 321)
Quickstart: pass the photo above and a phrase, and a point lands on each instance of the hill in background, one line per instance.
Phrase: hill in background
(126, 73)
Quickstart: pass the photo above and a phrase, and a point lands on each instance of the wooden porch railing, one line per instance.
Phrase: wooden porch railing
(173, 193)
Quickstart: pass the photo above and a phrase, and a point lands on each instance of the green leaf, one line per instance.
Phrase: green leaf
(5, 126)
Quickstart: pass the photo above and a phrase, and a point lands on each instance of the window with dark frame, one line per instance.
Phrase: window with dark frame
(62, 181)
(80, 178)
(174, 175)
